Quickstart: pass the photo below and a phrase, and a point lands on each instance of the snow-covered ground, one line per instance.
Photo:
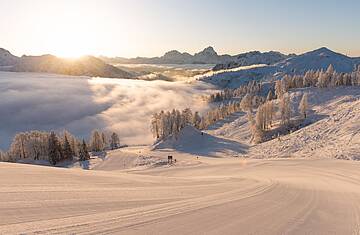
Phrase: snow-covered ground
(212, 196)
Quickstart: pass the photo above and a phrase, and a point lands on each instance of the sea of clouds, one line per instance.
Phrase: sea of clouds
(33, 101)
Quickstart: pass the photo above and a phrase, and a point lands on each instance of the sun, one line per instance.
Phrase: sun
(70, 48)
(69, 54)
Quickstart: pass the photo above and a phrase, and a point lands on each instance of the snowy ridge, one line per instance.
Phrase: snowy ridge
(206, 56)
(252, 58)
(318, 59)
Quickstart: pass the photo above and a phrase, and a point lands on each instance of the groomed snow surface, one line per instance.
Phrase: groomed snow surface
(220, 183)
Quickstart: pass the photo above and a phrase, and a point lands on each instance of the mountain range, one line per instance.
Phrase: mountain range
(83, 66)
(206, 56)
(275, 63)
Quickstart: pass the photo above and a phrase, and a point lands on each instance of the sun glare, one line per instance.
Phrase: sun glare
(72, 35)
(70, 45)
(69, 52)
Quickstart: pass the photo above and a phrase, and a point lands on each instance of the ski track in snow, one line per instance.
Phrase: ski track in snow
(219, 196)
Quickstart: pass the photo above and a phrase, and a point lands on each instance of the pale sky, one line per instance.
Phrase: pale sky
(130, 28)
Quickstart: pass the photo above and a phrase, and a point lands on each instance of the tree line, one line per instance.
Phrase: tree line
(167, 123)
(57, 147)
(318, 78)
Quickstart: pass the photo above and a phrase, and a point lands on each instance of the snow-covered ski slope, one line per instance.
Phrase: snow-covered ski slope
(218, 196)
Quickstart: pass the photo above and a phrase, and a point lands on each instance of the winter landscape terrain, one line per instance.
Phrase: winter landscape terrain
(276, 154)
(180, 117)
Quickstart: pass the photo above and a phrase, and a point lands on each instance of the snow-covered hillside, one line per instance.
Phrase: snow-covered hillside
(252, 58)
(332, 129)
(318, 59)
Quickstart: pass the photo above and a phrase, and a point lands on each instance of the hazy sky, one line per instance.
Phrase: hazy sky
(151, 27)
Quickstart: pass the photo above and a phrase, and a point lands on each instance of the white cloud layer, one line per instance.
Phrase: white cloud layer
(30, 101)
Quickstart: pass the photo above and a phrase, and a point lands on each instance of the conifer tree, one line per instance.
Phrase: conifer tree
(83, 153)
(55, 153)
(67, 152)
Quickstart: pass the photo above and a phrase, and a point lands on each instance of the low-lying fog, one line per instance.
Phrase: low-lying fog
(31, 101)
(167, 72)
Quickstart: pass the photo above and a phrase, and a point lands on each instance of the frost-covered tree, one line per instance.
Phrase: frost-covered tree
(114, 141)
(260, 117)
(96, 141)
(246, 103)
(104, 140)
(155, 125)
(18, 146)
(269, 109)
(278, 89)
(187, 116)
(285, 84)
(322, 80)
(32, 145)
(270, 96)
(307, 81)
(256, 132)
(285, 109)
(303, 106)
(4, 156)
(196, 120)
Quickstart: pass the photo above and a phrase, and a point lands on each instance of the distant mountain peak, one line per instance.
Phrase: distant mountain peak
(322, 50)
(172, 52)
(6, 58)
(208, 51)
(4, 50)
